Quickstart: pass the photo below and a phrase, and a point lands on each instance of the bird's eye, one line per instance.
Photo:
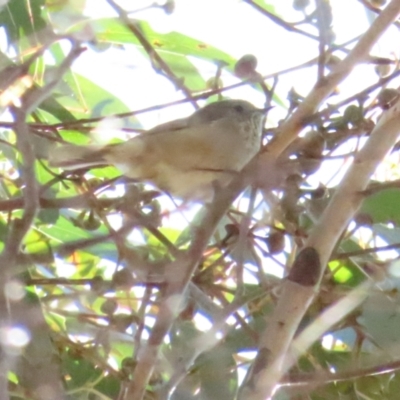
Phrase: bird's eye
(239, 108)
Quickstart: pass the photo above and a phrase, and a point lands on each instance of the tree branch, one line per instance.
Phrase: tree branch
(299, 290)
(20, 227)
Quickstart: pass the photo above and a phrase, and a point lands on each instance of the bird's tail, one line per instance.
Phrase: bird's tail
(75, 157)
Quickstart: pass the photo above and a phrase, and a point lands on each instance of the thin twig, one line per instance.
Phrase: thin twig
(155, 58)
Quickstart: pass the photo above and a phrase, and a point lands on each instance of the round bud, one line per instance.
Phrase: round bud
(92, 223)
(313, 145)
(353, 115)
(246, 66)
(300, 5)
(383, 70)
(109, 306)
(214, 83)
(97, 284)
(169, 7)
(231, 230)
(332, 61)
(128, 362)
(378, 3)
(387, 97)
(123, 278)
(98, 47)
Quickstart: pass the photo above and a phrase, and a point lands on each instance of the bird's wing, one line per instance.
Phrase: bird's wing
(70, 156)
(182, 149)
(169, 126)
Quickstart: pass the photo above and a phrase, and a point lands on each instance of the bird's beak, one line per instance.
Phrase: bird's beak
(265, 109)
(263, 112)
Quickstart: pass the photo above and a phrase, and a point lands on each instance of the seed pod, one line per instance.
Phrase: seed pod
(98, 285)
(123, 278)
(214, 83)
(275, 242)
(313, 145)
(353, 115)
(332, 62)
(92, 223)
(109, 306)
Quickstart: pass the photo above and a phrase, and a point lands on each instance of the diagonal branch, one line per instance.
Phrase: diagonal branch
(178, 276)
(300, 288)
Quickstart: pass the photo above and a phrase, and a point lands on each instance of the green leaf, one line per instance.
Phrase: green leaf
(111, 30)
(94, 101)
(65, 231)
(49, 216)
(218, 376)
(181, 66)
(22, 18)
(390, 235)
(80, 371)
(266, 5)
(381, 321)
(383, 206)
(56, 109)
(109, 386)
(346, 272)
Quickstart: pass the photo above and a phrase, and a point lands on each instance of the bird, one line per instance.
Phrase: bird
(187, 158)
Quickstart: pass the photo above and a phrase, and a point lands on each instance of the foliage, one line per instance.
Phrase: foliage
(110, 289)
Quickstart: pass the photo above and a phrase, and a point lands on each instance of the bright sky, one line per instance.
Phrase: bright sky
(230, 25)
(236, 28)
